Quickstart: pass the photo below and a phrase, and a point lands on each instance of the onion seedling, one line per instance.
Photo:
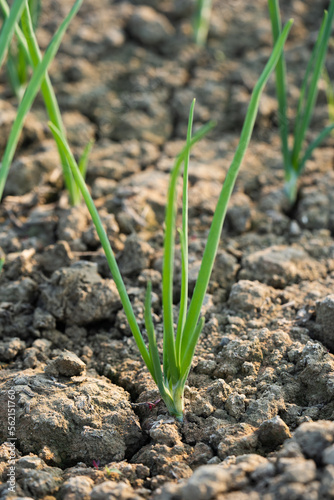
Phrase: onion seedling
(18, 60)
(179, 346)
(8, 27)
(295, 158)
(329, 89)
(202, 21)
(39, 79)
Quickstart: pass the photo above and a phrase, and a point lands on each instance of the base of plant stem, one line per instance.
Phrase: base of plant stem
(178, 416)
(290, 187)
(175, 404)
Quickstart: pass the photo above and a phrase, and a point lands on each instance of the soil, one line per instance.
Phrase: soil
(260, 397)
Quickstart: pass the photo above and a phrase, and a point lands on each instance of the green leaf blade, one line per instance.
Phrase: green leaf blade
(153, 348)
(189, 335)
(83, 163)
(8, 27)
(281, 86)
(61, 140)
(167, 279)
(184, 240)
(187, 360)
(30, 95)
(313, 145)
(50, 101)
(314, 70)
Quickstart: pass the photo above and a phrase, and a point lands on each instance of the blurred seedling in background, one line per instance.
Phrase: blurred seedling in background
(18, 62)
(295, 157)
(201, 24)
(329, 90)
(18, 19)
(110, 471)
(178, 344)
(2, 261)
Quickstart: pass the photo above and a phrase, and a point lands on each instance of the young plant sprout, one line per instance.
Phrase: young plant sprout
(2, 261)
(202, 21)
(329, 89)
(294, 158)
(8, 27)
(18, 60)
(40, 79)
(179, 346)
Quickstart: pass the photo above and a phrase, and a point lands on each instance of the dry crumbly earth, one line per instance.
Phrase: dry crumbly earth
(260, 397)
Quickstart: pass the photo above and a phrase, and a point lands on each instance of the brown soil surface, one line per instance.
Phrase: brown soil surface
(260, 397)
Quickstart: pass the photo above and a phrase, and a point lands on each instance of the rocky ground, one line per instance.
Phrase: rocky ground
(260, 397)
